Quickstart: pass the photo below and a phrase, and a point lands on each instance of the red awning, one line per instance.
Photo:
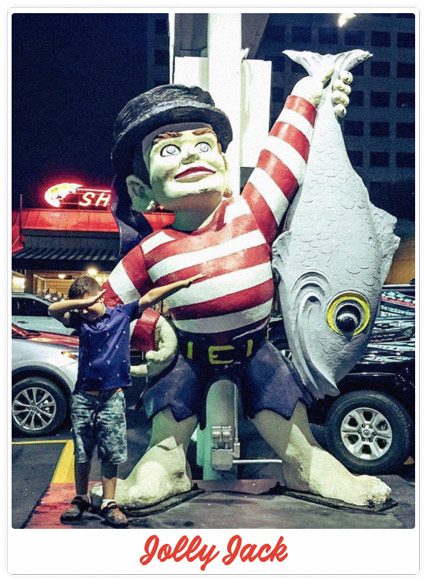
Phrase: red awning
(82, 220)
(67, 220)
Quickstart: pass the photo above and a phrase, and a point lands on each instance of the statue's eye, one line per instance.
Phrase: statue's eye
(348, 313)
(170, 150)
(203, 147)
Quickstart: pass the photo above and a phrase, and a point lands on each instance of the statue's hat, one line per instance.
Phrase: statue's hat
(160, 106)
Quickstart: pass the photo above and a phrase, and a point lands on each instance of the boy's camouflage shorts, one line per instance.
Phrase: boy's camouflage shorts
(99, 420)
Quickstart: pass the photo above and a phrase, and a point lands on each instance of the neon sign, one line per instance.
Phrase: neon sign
(77, 196)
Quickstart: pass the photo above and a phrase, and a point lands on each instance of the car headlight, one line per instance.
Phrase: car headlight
(70, 354)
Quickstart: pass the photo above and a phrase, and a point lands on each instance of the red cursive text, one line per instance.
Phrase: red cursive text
(196, 550)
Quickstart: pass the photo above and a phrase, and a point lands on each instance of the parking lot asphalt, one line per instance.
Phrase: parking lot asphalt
(42, 483)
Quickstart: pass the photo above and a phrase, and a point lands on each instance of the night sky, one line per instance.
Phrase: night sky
(72, 73)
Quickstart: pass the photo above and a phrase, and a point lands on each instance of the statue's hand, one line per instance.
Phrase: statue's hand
(339, 95)
(139, 370)
(312, 88)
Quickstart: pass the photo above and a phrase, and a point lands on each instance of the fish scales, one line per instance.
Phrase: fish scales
(335, 251)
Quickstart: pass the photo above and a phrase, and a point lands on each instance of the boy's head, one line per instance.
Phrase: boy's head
(83, 287)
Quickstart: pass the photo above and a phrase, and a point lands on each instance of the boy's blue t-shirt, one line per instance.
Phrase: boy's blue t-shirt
(104, 354)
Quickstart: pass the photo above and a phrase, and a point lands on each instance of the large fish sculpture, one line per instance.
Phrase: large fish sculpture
(335, 252)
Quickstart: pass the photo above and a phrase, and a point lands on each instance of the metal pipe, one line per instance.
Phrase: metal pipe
(259, 461)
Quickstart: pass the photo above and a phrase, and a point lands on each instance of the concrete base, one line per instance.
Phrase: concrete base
(239, 505)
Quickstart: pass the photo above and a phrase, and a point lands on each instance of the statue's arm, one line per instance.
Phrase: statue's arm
(128, 282)
(281, 165)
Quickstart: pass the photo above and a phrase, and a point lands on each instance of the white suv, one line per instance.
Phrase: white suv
(31, 312)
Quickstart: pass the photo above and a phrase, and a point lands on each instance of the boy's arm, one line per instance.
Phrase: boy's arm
(160, 293)
(61, 309)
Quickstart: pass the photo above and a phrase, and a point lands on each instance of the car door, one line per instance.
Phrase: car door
(32, 314)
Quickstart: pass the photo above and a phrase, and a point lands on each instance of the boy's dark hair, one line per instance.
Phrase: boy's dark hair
(83, 285)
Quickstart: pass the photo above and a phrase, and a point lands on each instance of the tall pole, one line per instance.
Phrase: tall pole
(224, 64)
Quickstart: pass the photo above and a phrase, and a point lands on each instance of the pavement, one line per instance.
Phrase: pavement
(43, 484)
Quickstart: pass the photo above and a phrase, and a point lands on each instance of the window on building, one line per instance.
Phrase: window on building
(273, 32)
(404, 159)
(354, 128)
(277, 63)
(380, 38)
(379, 129)
(406, 100)
(379, 99)
(356, 157)
(161, 57)
(379, 158)
(277, 94)
(405, 40)
(355, 37)
(380, 69)
(357, 98)
(161, 26)
(301, 34)
(327, 35)
(405, 130)
(405, 70)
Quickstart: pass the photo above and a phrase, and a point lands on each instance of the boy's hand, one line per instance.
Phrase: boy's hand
(187, 282)
(91, 300)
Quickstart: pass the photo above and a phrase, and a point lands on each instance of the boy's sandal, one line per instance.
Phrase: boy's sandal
(76, 508)
(114, 516)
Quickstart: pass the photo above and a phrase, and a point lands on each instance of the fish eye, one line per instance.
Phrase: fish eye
(203, 147)
(349, 313)
(170, 150)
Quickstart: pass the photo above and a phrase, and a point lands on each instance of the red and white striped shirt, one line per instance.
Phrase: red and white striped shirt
(233, 251)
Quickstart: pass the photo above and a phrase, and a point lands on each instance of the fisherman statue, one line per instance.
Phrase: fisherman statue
(169, 151)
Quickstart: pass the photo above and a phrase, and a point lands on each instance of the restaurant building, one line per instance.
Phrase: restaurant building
(74, 234)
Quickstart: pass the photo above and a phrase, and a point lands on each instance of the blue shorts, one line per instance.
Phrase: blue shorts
(99, 420)
(266, 381)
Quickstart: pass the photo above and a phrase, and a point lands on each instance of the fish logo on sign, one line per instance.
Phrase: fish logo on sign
(86, 197)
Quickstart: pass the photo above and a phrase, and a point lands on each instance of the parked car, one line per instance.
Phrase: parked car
(370, 425)
(44, 372)
(31, 312)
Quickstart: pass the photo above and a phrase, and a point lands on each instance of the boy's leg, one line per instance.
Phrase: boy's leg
(81, 473)
(83, 435)
(111, 432)
(109, 480)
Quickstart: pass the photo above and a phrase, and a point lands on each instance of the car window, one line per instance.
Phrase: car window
(29, 307)
(16, 307)
(37, 308)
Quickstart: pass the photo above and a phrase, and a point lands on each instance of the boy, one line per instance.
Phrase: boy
(98, 411)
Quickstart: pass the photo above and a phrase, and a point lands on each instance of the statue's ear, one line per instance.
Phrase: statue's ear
(139, 192)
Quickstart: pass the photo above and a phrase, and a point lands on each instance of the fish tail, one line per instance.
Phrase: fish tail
(315, 63)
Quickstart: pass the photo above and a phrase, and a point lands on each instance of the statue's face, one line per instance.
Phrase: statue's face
(186, 168)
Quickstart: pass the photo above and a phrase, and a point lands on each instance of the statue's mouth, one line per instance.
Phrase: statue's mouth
(194, 173)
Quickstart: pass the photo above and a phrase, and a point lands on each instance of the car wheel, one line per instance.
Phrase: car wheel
(38, 407)
(369, 432)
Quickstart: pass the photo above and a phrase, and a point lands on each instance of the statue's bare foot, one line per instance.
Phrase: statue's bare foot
(309, 468)
(326, 477)
(159, 474)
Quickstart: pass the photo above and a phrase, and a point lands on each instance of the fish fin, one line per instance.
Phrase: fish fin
(280, 249)
(315, 379)
(389, 242)
(315, 63)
